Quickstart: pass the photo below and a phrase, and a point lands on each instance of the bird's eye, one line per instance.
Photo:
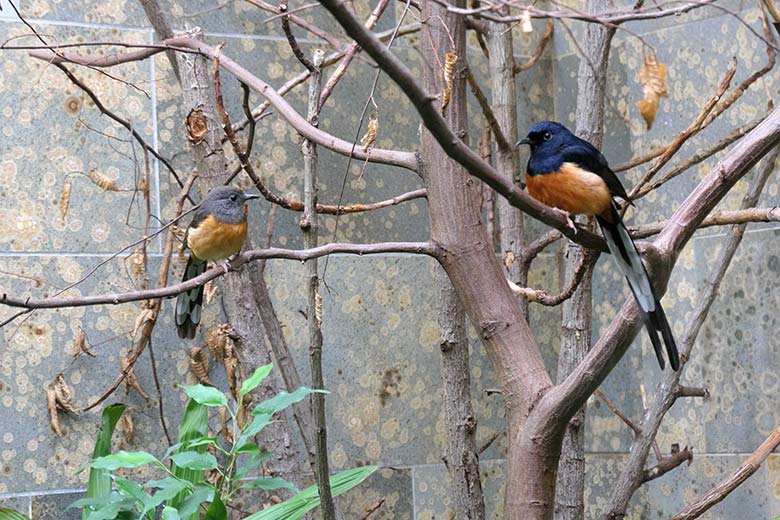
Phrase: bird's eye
(547, 136)
(233, 197)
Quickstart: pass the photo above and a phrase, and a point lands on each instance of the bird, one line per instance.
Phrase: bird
(570, 174)
(217, 232)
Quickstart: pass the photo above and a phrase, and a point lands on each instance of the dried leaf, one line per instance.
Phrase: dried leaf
(143, 186)
(145, 316)
(217, 338)
(653, 78)
(318, 309)
(126, 425)
(230, 360)
(79, 345)
(370, 138)
(197, 125)
(63, 394)
(449, 72)
(525, 22)
(209, 291)
(137, 262)
(509, 259)
(105, 183)
(199, 365)
(131, 380)
(65, 200)
(227, 433)
(51, 405)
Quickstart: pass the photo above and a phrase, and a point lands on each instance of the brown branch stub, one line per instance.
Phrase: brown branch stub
(668, 463)
(692, 391)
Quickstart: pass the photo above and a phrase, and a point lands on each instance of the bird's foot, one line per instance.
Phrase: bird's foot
(225, 266)
(569, 222)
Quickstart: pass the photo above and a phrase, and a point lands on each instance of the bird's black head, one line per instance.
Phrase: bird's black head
(226, 203)
(546, 135)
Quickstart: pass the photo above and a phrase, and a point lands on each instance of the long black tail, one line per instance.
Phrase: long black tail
(629, 263)
(188, 303)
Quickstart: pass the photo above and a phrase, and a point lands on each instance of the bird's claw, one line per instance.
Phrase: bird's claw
(225, 266)
(569, 222)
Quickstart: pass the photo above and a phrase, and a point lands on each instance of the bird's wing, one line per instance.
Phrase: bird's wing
(587, 156)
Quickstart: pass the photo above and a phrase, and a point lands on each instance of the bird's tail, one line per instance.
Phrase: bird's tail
(629, 263)
(188, 303)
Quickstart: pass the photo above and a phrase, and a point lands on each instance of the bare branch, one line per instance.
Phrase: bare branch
(667, 464)
(418, 248)
(721, 491)
(546, 38)
(614, 409)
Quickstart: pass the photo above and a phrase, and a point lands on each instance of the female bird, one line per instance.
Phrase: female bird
(217, 231)
(569, 173)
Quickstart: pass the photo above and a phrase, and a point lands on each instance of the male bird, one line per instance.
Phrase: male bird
(217, 231)
(569, 173)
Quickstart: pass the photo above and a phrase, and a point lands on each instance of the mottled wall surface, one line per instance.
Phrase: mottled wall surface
(381, 338)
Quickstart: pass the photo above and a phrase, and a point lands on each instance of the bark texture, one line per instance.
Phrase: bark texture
(577, 323)
(462, 458)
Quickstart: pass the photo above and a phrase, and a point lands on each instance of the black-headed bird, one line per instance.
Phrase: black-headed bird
(569, 173)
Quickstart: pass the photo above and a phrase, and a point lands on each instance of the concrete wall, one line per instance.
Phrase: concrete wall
(381, 338)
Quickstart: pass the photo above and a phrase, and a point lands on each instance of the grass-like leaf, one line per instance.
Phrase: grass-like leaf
(99, 484)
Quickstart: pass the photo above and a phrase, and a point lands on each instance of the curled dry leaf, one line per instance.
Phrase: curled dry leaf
(318, 309)
(509, 259)
(131, 380)
(137, 262)
(370, 138)
(143, 186)
(199, 365)
(79, 345)
(226, 432)
(217, 338)
(51, 405)
(209, 291)
(145, 316)
(63, 394)
(230, 360)
(525, 22)
(126, 426)
(197, 125)
(65, 200)
(449, 72)
(105, 183)
(653, 78)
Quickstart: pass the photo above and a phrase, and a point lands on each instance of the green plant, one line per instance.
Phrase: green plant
(184, 490)
(7, 513)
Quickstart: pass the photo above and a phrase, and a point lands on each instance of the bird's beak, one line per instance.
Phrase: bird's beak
(523, 141)
(250, 196)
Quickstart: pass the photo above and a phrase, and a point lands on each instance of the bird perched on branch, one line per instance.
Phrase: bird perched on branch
(569, 173)
(217, 232)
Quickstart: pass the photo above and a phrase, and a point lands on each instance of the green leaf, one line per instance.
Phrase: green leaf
(7, 513)
(132, 490)
(194, 425)
(189, 507)
(269, 484)
(170, 513)
(251, 383)
(282, 400)
(123, 459)
(99, 484)
(206, 395)
(256, 426)
(249, 447)
(169, 488)
(194, 460)
(205, 441)
(216, 510)
(296, 507)
(111, 511)
(250, 464)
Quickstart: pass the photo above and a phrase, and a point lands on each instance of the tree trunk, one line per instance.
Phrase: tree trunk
(462, 458)
(577, 317)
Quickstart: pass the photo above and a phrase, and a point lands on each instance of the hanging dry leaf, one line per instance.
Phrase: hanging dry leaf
(653, 78)
(51, 405)
(209, 291)
(105, 183)
(509, 259)
(449, 72)
(197, 125)
(146, 315)
(217, 338)
(131, 380)
(318, 309)
(143, 186)
(525, 22)
(65, 200)
(230, 360)
(226, 432)
(370, 138)
(199, 365)
(126, 426)
(137, 262)
(79, 345)
(63, 394)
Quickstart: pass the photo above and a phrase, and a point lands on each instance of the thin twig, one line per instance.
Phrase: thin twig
(159, 393)
(540, 296)
(487, 112)
(631, 424)
(546, 38)
(296, 49)
(667, 464)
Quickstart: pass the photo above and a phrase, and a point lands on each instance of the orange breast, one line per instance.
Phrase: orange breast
(213, 240)
(572, 189)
